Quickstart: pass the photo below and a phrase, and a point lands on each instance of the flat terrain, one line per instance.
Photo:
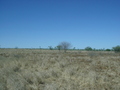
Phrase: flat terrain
(25, 69)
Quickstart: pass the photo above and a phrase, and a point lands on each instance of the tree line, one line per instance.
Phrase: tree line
(66, 45)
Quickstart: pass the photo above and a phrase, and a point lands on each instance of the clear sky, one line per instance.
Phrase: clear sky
(34, 23)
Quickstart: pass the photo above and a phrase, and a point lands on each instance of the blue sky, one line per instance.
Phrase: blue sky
(34, 23)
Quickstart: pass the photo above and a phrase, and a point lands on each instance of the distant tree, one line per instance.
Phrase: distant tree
(108, 49)
(59, 47)
(88, 48)
(65, 46)
(117, 48)
(50, 47)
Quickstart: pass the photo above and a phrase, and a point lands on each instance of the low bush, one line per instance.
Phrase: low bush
(108, 50)
(88, 48)
(117, 48)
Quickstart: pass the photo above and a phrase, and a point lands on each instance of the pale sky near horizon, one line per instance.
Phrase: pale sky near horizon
(35, 23)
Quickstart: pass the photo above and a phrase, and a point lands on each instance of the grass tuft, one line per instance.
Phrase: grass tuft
(23, 69)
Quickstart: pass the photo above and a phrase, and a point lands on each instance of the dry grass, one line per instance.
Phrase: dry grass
(22, 69)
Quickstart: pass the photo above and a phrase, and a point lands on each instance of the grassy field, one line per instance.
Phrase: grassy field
(25, 69)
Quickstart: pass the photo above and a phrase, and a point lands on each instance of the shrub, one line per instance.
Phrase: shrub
(59, 47)
(50, 47)
(117, 48)
(65, 45)
(88, 48)
(108, 50)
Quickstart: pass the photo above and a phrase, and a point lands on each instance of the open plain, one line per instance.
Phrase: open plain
(35, 69)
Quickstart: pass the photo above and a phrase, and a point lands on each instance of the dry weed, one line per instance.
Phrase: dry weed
(24, 69)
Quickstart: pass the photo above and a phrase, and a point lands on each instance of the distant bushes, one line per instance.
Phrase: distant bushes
(117, 48)
(88, 48)
(50, 47)
(108, 49)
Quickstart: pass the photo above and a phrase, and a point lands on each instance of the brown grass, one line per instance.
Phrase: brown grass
(24, 69)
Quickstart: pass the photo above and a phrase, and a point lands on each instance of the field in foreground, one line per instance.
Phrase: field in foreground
(24, 69)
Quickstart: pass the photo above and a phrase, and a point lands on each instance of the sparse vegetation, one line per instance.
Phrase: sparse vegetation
(108, 49)
(50, 48)
(35, 69)
(65, 46)
(117, 48)
(59, 47)
(88, 48)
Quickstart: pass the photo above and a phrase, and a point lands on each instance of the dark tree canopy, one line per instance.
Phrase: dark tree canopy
(117, 48)
(88, 48)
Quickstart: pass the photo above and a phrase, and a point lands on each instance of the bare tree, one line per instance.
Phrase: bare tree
(65, 46)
